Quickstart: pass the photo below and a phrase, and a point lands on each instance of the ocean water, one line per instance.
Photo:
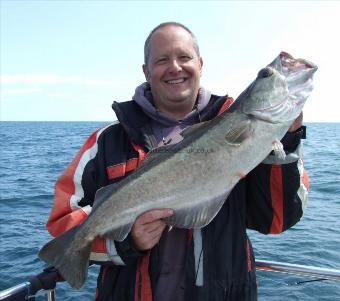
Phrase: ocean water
(34, 154)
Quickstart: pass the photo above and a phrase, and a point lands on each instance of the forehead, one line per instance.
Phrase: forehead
(170, 38)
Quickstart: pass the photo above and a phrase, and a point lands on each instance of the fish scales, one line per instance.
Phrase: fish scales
(140, 194)
(195, 176)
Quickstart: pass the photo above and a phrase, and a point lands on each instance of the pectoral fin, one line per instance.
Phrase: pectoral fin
(237, 134)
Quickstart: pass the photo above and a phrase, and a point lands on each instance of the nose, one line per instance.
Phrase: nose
(265, 72)
(175, 66)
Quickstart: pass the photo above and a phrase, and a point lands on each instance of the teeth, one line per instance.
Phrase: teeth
(176, 81)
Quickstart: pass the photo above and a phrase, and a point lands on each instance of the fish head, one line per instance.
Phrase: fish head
(280, 90)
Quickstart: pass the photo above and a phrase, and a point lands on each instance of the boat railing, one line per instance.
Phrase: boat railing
(298, 269)
(47, 280)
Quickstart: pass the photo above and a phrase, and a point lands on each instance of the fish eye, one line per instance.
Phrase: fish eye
(265, 72)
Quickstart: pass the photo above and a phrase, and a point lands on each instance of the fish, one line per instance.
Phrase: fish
(194, 176)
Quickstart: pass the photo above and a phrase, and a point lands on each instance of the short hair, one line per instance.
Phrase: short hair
(148, 39)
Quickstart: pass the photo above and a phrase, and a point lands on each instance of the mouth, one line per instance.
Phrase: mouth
(292, 65)
(176, 81)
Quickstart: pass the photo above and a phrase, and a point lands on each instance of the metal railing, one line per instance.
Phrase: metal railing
(297, 269)
(48, 279)
(45, 281)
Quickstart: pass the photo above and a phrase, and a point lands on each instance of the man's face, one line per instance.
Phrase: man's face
(174, 69)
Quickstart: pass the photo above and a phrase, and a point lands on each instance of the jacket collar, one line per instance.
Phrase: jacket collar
(137, 124)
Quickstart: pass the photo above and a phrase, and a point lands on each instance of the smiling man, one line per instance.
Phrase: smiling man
(155, 263)
(173, 70)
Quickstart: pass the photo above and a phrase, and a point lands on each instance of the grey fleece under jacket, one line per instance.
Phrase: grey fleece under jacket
(165, 128)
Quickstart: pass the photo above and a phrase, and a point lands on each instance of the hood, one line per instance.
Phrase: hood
(143, 97)
(166, 130)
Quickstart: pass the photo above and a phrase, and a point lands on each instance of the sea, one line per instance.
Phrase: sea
(34, 154)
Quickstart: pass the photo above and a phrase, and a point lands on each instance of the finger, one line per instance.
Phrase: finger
(155, 228)
(141, 231)
(145, 240)
(150, 228)
(150, 243)
(153, 215)
(153, 240)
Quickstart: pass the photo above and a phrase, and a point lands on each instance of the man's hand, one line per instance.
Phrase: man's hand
(148, 228)
(296, 124)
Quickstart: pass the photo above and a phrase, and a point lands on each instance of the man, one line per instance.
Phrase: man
(154, 262)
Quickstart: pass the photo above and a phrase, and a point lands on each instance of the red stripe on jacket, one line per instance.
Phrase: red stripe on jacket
(228, 102)
(62, 217)
(119, 170)
(140, 151)
(305, 179)
(248, 255)
(143, 291)
(276, 190)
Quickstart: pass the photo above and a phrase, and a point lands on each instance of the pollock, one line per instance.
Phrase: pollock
(193, 183)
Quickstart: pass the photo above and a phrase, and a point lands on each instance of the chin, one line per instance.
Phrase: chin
(183, 95)
(179, 100)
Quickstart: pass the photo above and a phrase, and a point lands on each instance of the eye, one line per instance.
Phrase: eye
(161, 61)
(265, 72)
(185, 57)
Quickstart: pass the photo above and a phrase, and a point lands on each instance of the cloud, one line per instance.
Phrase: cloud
(20, 92)
(52, 79)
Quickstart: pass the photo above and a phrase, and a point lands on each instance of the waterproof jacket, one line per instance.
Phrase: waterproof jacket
(219, 262)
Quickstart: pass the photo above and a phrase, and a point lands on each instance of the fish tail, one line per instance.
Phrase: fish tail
(67, 257)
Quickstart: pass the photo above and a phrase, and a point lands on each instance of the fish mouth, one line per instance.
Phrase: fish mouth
(296, 64)
(292, 65)
(299, 77)
(280, 90)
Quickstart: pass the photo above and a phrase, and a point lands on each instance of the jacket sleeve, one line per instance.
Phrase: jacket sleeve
(74, 195)
(277, 190)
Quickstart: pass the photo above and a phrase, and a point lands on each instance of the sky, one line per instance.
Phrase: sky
(69, 60)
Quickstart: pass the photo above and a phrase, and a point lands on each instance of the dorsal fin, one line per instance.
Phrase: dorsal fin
(156, 152)
(194, 128)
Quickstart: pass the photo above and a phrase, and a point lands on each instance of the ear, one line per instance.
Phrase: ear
(201, 65)
(146, 72)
